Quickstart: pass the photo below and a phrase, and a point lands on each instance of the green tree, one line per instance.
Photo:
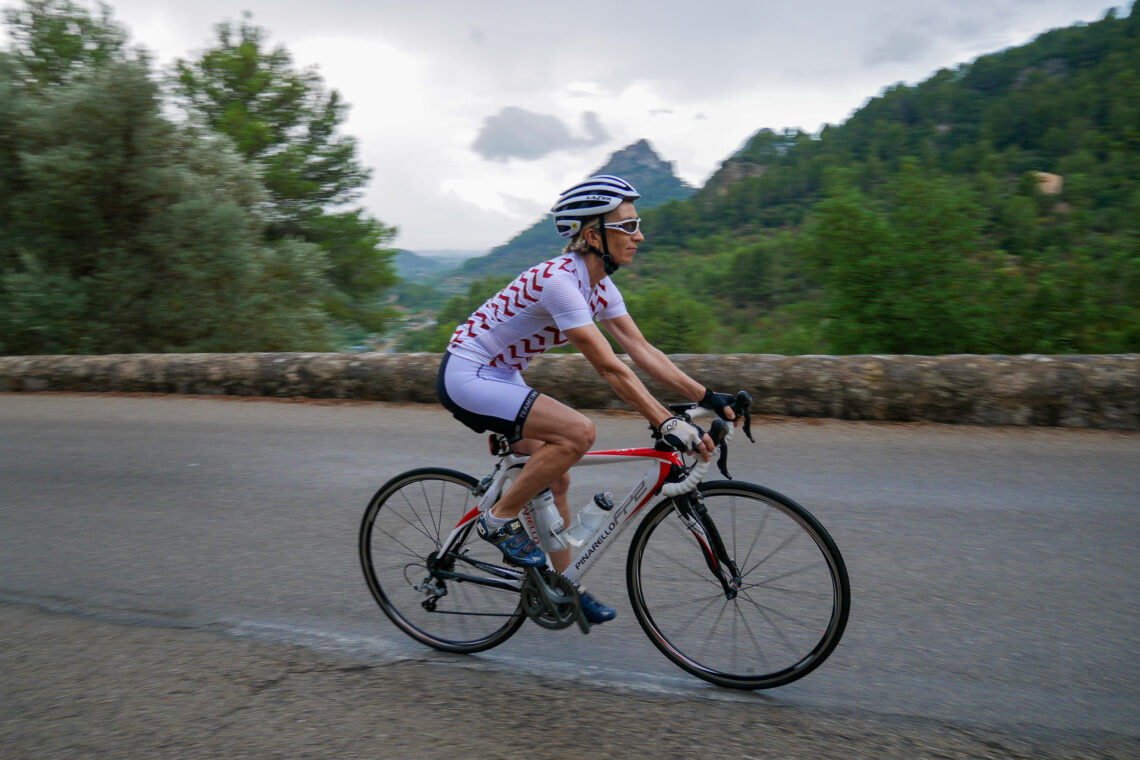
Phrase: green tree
(909, 281)
(121, 232)
(57, 41)
(849, 242)
(286, 123)
(674, 323)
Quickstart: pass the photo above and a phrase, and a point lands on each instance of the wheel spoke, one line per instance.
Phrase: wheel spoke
(688, 601)
(689, 620)
(815, 563)
(753, 637)
(798, 591)
(783, 545)
(768, 609)
(414, 552)
(387, 568)
(689, 568)
(427, 532)
(767, 613)
(756, 538)
(711, 637)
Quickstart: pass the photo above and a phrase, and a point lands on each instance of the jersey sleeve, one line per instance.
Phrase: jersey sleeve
(567, 307)
(607, 301)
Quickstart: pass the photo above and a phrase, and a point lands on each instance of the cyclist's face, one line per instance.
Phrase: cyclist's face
(622, 245)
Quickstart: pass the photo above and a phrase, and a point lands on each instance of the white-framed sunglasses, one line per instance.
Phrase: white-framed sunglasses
(628, 226)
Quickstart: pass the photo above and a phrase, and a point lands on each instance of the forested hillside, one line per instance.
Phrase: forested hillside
(993, 208)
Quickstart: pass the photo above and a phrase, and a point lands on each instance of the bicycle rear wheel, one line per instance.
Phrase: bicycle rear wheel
(793, 600)
(400, 538)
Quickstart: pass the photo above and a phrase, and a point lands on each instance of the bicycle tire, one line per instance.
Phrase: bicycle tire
(404, 524)
(793, 603)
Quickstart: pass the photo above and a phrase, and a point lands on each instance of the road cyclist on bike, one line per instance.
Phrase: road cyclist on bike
(559, 301)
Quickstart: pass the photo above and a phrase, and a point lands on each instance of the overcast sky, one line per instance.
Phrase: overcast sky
(474, 116)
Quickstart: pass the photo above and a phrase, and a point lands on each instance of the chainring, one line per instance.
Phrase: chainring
(550, 599)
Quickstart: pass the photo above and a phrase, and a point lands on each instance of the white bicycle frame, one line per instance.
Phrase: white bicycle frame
(652, 484)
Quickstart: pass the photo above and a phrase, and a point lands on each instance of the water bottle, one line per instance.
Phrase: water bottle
(591, 516)
(549, 522)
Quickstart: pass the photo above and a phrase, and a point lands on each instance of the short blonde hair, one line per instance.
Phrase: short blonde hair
(578, 243)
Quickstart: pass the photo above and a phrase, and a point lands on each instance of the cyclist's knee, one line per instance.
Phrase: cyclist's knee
(581, 434)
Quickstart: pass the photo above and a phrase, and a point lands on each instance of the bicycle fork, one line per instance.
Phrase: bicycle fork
(698, 520)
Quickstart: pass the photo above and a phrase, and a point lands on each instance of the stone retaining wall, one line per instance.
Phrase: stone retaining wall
(1071, 391)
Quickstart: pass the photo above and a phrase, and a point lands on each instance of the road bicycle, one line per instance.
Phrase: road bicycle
(733, 582)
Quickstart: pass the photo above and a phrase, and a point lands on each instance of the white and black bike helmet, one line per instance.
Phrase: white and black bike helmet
(598, 195)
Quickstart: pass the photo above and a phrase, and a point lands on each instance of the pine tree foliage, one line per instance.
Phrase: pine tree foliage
(123, 232)
(284, 122)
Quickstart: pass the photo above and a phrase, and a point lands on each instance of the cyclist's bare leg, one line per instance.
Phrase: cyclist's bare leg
(558, 437)
(566, 436)
(560, 488)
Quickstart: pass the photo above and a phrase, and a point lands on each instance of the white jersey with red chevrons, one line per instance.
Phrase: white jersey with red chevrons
(529, 316)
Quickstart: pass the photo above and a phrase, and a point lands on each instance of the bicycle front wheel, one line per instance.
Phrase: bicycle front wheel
(791, 606)
(447, 602)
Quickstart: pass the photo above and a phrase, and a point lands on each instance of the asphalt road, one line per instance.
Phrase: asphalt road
(995, 572)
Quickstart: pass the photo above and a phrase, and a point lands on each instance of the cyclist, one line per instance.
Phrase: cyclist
(551, 304)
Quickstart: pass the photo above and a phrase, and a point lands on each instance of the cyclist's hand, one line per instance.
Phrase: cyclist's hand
(685, 436)
(721, 403)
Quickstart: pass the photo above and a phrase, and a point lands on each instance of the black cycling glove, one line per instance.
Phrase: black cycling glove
(717, 402)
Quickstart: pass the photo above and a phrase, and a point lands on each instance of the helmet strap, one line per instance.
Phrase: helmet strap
(607, 260)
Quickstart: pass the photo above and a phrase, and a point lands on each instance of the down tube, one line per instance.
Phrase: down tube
(621, 515)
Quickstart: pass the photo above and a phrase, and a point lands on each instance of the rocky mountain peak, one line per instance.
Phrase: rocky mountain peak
(654, 177)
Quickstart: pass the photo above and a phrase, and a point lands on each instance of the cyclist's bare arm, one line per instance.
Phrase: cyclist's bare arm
(654, 361)
(628, 386)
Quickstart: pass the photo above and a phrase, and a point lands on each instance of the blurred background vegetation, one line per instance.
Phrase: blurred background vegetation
(210, 212)
(994, 208)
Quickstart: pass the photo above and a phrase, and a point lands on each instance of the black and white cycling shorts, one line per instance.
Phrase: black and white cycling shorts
(483, 397)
